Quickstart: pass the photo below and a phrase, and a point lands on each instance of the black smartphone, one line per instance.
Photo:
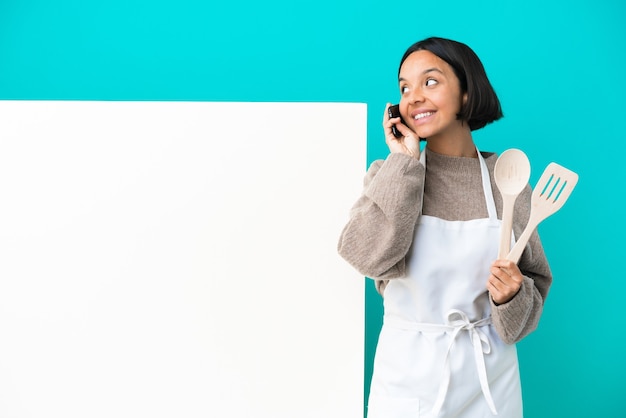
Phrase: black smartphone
(394, 112)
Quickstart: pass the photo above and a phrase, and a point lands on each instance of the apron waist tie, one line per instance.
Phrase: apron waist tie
(457, 321)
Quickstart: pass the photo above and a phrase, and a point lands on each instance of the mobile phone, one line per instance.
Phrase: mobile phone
(394, 112)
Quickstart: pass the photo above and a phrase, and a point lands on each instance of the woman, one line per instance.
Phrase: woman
(426, 229)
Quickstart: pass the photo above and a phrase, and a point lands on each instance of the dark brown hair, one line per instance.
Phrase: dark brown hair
(482, 105)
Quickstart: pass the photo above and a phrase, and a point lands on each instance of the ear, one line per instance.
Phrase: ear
(464, 98)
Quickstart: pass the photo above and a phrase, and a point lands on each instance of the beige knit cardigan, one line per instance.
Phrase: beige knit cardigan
(380, 230)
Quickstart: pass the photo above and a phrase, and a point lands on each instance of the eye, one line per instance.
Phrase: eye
(404, 89)
(431, 82)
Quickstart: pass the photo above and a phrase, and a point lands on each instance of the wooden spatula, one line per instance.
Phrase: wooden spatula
(552, 190)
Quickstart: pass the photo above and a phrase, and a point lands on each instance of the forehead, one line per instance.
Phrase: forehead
(422, 62)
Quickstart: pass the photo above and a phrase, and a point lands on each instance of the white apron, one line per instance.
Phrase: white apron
(438, 354)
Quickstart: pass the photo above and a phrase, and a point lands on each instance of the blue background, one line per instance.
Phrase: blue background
(558, 68)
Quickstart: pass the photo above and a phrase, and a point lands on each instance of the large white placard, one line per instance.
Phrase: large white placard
(176, 259)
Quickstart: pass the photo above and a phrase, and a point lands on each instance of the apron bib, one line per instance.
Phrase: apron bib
(438, 355)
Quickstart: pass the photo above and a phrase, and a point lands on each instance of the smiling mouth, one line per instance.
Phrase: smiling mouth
(423, 115)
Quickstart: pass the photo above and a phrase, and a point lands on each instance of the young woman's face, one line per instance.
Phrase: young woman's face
(431, 96)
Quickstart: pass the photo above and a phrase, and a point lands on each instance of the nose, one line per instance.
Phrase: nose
(416, 95)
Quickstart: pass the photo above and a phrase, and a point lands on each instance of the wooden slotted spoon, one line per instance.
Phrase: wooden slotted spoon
(552, 190)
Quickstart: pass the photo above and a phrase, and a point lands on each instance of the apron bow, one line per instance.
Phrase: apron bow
(459, 321)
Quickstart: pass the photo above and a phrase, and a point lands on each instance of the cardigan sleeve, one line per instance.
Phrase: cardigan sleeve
(379, 232)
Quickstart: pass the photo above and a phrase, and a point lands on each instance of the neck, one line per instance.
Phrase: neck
(454, 144)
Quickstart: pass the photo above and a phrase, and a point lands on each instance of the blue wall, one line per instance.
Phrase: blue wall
(558, 68)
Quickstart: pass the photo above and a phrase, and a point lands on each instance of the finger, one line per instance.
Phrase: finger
(505, 287)
(499, 293)
(404, 130)
(492, 283)
(499, 281)
(393, 121)
(389, 132)
(499, 273)
(389, 122)
(389, 135)
(386, 114)
(510, 274)
(505, 264)
(493, 288)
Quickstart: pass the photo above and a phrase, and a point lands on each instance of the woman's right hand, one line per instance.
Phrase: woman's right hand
(408, 144)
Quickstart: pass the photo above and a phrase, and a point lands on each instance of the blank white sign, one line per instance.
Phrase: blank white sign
(176, 259)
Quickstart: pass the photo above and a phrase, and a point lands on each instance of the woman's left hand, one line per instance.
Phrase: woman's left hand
(504, 281)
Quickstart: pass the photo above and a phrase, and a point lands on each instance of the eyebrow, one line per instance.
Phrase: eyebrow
(426, 71)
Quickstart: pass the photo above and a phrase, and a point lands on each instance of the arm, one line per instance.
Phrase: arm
(379, 233)
(518, 315)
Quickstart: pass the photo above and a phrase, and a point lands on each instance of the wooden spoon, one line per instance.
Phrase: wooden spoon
(512, 172)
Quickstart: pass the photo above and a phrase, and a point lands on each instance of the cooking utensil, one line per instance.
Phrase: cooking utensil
(511, 173)
(552, 190)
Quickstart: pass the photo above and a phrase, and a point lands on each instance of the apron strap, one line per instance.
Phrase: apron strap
(489, 201)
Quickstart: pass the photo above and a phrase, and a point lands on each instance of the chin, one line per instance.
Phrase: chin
(423, 134)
